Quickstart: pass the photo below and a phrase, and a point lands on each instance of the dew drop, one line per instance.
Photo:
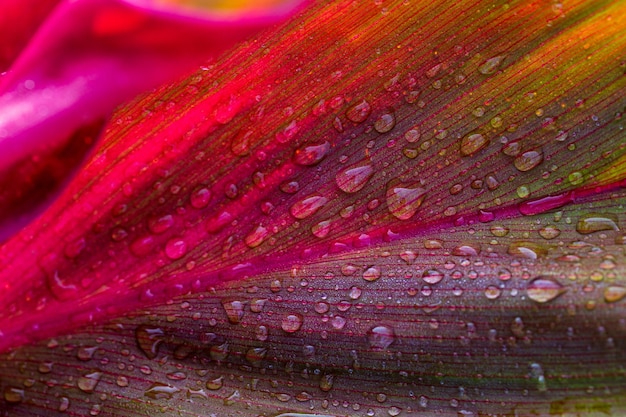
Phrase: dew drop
(308, 206)
(291, 323)
(353, 178)
(591, 223)
(491, 65)
(371, 274)
(380, 337)
(234, 310)
(175, 248)
(473, 143)
(215, 384)
(158, 391)
(358, 112)
(87, 383)
(13, 395)
(432, 276)
(312, 154)
(256, 237)
(614, 293)
(200, 197)
(149, 340)
(326, 382)
(404, 200)
(492, 292)
(158, 225)
(385, 123)
(543, 290)
(528, 160)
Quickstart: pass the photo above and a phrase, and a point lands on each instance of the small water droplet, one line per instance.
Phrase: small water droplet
(158, 225)
(215, 384)
(543, 290)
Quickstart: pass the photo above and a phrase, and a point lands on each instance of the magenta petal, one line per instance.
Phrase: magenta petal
(91, 55)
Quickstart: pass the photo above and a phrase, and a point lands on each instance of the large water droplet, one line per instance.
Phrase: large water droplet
(13, 395)
(158, 225)
(380, 337)
(404, 200)
(371, 274)
(175, 248)
(591, 223)
(200, 197)
(491, 65)
(256, 237)
(308, 206)
(473, 143)
(543, 290)
(353, 178)
(385, 122)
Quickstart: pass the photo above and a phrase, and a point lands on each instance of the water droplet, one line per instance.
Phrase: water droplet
(536, 373)
(371, 274)
(338, 322)
(358, 112)
(543, 290)
(491, 65)
(215, 384)
(544, 204)
(13, 395)
(353, 178)
(200, 197)
(308, 206)
(404, 200)
(86, 353)
(465, 250)
(88, 382)
(614, 293)
(255, 356)
(291, 323)
(432, 276)
(64, 404)
(528, 160)
(528, 250)
(159, 391)
(549, 232)
(473, 143)
(326, 382)
(591, 223)
(380, 337)
(256, 237)
(158, 225)
(175, 248)
(385, 123)
(321, 307)
(234, 310)
(492, 292)
(312, 154)
(149, 339)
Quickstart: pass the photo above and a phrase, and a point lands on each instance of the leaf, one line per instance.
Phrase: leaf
(415, 277)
